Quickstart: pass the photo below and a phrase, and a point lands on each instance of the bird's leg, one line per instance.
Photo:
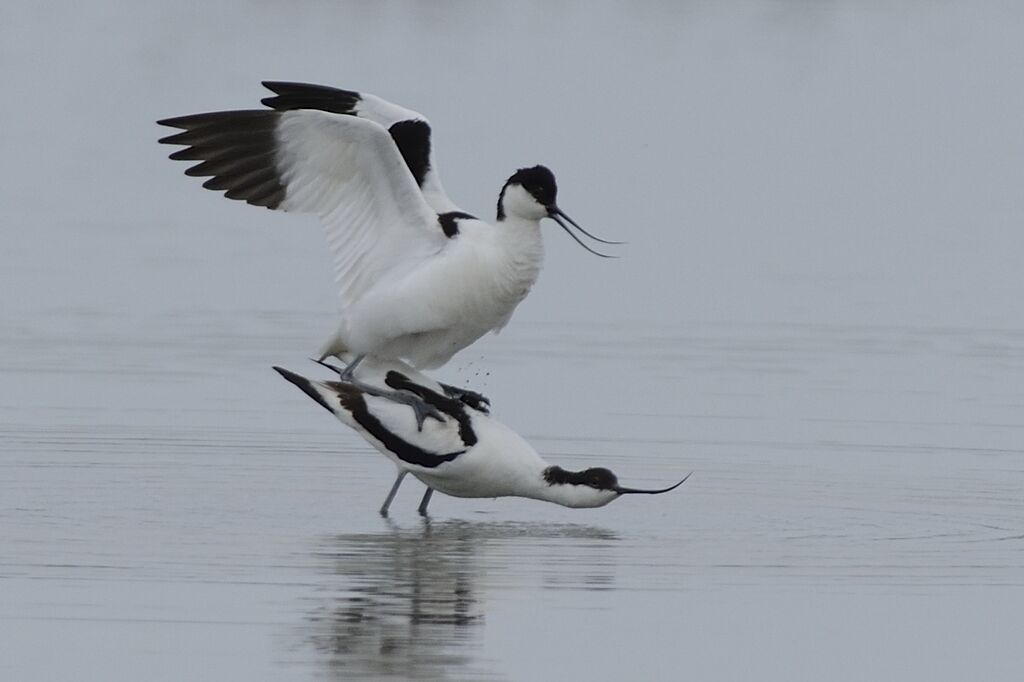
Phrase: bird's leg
(477, 401)
(452, 400)
(391, 495)
(422, 509)
(421, 409)
(347, 374)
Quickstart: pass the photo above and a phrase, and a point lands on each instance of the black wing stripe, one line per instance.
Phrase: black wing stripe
(237, 148)
(450, 406)
(450, 222)
(412, 137)
(413, 141)
(353, 401)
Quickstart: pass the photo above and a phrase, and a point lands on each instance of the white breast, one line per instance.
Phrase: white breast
(469, 289)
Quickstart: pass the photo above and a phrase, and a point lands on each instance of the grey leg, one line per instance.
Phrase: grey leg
(420, 408)
(391, 495)
(350, 368)
(422, 509)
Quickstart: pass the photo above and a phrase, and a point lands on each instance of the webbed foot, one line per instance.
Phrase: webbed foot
(478, 401)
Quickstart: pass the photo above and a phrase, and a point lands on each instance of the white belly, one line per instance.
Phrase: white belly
(443, 306)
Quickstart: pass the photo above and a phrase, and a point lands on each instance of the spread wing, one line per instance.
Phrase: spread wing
(345, 169)
(410, 130)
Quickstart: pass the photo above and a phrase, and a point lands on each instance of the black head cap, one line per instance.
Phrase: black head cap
(539, 181)
(598, 478)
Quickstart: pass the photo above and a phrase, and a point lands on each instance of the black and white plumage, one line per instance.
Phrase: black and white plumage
(419, 278)
(465, 453)
(409, 130)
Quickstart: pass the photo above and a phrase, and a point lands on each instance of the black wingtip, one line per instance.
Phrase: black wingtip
(289, 375)
(277, 86)
(237, 148)
(306, 385)
(289, 95)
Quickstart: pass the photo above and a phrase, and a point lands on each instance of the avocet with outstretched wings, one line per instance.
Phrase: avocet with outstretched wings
(419, 278)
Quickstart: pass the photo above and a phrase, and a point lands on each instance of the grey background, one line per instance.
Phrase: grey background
(818, 312)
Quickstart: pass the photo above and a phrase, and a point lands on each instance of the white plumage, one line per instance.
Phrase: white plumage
(387, 114)
(406, 290)
(465, 453)
(418, 278)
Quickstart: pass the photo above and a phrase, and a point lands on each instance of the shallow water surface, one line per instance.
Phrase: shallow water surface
(818, 313)
(244, 537)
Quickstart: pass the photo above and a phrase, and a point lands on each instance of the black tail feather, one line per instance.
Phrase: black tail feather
(306, 385)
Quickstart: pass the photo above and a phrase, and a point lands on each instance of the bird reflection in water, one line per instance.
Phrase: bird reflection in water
(406, 603)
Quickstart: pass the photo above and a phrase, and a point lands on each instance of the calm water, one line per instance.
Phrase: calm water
(818, 313)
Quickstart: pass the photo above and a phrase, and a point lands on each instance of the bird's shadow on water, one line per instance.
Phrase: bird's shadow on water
(408, 603)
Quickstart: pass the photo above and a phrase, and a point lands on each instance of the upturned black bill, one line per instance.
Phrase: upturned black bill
(559, 216)
(627, 491)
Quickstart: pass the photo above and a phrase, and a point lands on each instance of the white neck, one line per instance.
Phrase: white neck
(535, 486)
(519, 229)
(503, 464)
(517, 203)
(569, 495)
(520, 254)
